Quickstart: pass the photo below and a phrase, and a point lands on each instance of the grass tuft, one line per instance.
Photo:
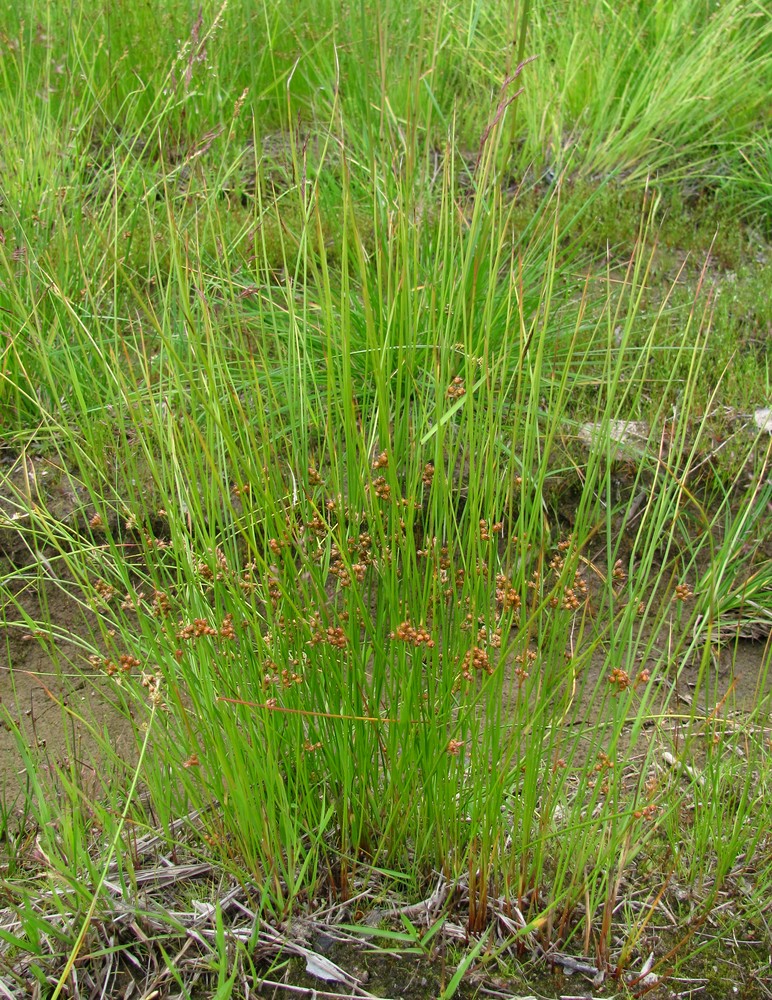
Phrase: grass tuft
(382, 493)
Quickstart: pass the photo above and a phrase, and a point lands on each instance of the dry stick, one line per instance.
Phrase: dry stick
(308, 991)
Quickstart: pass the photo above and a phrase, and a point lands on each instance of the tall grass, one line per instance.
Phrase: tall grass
(315, 444)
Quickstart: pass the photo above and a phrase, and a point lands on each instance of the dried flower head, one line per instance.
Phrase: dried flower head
(620, 678)
(408, 633)
(507, 598)
(105, 590)
(381, 488)
(456, 388)
(476, 659)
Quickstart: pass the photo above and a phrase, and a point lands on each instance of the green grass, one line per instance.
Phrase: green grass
(310, 347)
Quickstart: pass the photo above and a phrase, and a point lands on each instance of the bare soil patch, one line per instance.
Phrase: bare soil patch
(52, 701)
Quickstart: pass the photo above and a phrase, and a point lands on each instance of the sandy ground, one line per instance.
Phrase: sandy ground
(51, 701)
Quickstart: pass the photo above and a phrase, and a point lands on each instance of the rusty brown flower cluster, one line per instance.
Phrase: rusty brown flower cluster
(507, 597)
(200, 628)
(486, 532)
(162, 605)
(476, 659)
(126, 663)
(603, 768)
(332, 635)
(619, 679)
(211, 573)
(408, 633)
(105, 591)
(456, 388)
(381, 488)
